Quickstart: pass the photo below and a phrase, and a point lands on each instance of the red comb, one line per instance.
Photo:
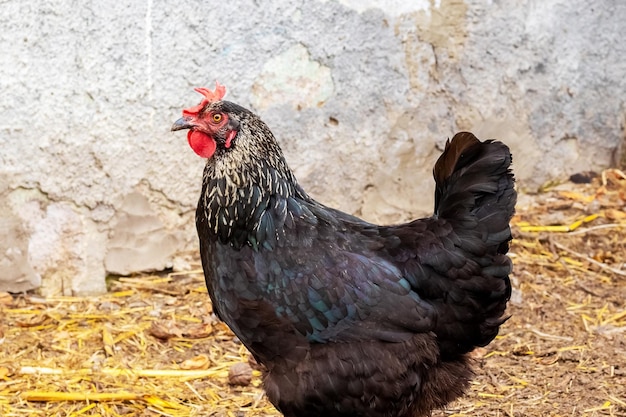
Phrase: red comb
(209, 97)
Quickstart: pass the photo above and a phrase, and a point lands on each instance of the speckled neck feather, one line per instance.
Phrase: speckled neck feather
(247, 190)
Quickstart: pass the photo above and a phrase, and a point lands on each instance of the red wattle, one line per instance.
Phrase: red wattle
(201, 143)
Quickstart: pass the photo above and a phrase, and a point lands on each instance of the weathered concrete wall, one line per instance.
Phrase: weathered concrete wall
(362, 95)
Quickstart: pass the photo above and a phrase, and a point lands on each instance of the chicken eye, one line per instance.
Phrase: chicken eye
(217, 117)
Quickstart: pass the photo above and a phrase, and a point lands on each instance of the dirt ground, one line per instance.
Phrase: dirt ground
(150, 347)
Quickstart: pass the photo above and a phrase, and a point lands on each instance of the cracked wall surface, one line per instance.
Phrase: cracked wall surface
(361, 95)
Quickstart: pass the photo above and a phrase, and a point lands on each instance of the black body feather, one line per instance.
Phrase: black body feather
(351, 318)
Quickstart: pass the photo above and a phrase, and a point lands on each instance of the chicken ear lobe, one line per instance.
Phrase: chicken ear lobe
(230, 135)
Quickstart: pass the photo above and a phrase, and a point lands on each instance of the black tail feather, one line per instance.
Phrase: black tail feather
(475, 193)
(475, 187)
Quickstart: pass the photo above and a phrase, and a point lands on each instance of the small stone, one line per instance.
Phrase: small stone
(240, 374)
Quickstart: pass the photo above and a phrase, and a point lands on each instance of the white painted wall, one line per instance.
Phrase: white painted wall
(361, 94)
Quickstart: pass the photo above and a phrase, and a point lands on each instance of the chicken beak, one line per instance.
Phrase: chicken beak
(183, 123)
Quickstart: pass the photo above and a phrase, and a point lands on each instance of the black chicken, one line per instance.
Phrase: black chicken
(350, 318)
